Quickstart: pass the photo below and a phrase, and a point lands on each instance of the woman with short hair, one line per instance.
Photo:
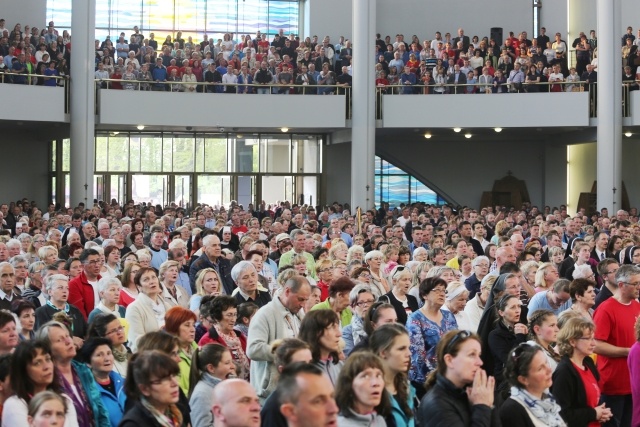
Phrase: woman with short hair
(575, 380)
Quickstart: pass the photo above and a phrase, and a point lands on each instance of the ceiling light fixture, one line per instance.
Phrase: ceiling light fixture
(456, 130)
(427, 135)
(467, 135)
(628, 134)
(140, 127)
(498, 130)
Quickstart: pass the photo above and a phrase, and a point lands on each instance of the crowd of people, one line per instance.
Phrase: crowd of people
(294, 315)
(286, 64)
(28, 50)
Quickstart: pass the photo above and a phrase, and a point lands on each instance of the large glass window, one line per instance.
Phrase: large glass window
(395, 186)
(192, 17)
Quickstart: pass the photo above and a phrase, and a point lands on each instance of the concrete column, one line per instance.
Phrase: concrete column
(363, 130)
(609, 145)
(82, 102)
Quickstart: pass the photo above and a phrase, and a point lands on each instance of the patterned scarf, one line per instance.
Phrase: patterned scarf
(357, 329)
(546, 409)
(172, 417)
(120, 356)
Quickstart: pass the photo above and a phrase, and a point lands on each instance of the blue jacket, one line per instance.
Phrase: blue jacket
(100, 414)
(114, 404)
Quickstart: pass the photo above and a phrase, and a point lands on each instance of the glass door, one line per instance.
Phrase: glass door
(214, 190)
(245, 190)
(151, 189)
(182, 190)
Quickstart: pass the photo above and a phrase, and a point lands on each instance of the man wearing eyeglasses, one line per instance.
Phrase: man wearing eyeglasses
(607, 270)
(83, 289)
(615, 334)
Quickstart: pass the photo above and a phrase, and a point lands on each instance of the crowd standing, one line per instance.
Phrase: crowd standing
(292, 315)
(286, 64)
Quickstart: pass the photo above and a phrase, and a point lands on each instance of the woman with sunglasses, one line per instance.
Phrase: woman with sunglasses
(426, 326)
(459, 391)
(508, 333)
(575, 380)
(529, 375)
(405, 304)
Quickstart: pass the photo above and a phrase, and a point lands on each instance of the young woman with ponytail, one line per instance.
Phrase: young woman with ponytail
(209, 366)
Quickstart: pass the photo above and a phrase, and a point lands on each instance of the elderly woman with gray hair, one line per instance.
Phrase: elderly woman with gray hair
(379, 285)
(245, 276)
(360, 299)
(109, 291)
(57, 287)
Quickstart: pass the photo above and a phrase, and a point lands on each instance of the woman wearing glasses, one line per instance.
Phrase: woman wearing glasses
(575, 380)
(426, 326)
(508, 333)
(529, 375)
(153, 384)
(360, 299)
(398, 297)
(459, 391)
(110, 326)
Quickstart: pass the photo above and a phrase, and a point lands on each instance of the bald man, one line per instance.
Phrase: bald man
(503, 254)
(235, 404)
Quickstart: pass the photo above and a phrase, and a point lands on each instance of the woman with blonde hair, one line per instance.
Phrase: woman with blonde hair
(48, 254)
(338, 251)
(502, 227)
(355, 252)
(575, 380)
(207, 283)
(546, 276)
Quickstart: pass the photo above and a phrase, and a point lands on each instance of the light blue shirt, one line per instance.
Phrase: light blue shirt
(540, 302)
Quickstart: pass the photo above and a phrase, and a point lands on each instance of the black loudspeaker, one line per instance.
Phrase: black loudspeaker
(496, 34)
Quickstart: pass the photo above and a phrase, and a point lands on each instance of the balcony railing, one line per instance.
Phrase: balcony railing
(34, 79)
(229, 88)
(482, 89)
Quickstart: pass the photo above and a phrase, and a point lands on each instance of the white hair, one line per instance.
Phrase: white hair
(582, 271)
(104, 283)
(51, 280)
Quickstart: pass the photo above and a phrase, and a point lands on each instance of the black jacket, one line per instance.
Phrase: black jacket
(412, 302)
(568, 390)
(501, 342)
(513, 414)
(447, 406)
(270, 415)
(138, 416)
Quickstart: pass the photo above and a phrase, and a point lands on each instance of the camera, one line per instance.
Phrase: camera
(220, 128)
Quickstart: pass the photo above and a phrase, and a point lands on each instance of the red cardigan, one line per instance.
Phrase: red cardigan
(81, 294)
(217, 339)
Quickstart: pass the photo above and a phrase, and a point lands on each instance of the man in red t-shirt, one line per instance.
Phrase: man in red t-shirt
(615, 319)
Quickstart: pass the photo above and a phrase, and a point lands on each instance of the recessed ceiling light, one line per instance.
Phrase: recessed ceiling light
(498, 130)
(284, 129)
(140, 127)
(467, 135)
(427, 135)
(628, 134)
(456, 130)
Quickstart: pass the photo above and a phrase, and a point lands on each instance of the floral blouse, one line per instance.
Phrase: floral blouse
(424, 336)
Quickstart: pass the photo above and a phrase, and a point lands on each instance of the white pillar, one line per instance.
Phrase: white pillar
(82, 102)
(609, 173)
(363, 129)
